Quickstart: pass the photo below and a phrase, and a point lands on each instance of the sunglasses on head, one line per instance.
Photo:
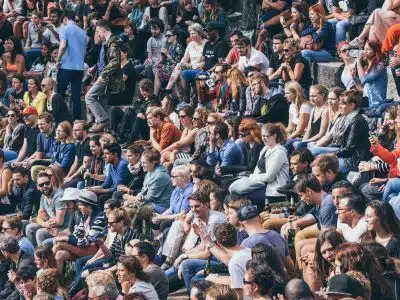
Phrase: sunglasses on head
(44, 183)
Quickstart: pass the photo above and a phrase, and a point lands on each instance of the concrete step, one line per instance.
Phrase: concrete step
(325, 74)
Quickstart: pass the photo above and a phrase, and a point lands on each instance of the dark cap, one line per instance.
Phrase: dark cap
(247, 212)
(345, 285)
(203, 76)
(211, 26)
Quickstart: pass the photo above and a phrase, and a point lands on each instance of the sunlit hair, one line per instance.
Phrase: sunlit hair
(203, 115)
(221, 292)
(376, 47)
(58, 174)
(47, 281)
(107, 138)
(293, 44)
(236, 79)
(67, 128)
(387, 218)
(295, 88)
(320, 11)
(353, 97)
(209, 16)
(321, 90)
(250, 125)
(217, 117)
(277, 129)
(341, 45)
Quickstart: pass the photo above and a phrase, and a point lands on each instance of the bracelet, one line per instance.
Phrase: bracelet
(210, 245)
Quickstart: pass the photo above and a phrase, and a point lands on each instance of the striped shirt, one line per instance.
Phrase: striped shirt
(83, 236)
(118, 246)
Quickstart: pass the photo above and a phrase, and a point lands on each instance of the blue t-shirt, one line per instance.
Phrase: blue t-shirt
(74, 55)
(325, 214)
(46, 144)
(271, 238)
(27, 246)
(180, 199)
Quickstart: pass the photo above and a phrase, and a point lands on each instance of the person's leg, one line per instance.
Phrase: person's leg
(73, 183)
(76, 83)
(341, 30)
(97, 90)
(31, 56)
(343, 167)
(391, 188)
(30, 232)
(323, 150)
(41, 235)
(316, 56)
(9, 155)
(190, 267)
(63, 80)
(391, 38)
(61, 257)
(116, 116)
(139, 130)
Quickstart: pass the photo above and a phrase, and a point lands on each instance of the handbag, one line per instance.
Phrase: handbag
(307, 43)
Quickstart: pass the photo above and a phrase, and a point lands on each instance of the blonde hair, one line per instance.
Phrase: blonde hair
(296, 88)
(107, 138)
(67, 128)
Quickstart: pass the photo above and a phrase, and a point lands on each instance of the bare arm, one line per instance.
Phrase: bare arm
(22, 152)
(323, 128)
(60, 214)
(303, 121)
(5, 178)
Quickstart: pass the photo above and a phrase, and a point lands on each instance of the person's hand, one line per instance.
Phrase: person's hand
(365, 166)
(279, 297)
(180, 271)
(156, 218)
(11, 276)
(373, 140)
(98, 242)
(123, 188)
(218, 169)
(50, 27)
(164, 51)
(212, 278)
(125, 286)
(375, 181)
(140, 115)
(60, 239)
(394, 61)
(20, 19)
(282, 21)
(67, 179)
(89, 262)
(188, 23)
(180, 259)
(178, 19)
(10, 184)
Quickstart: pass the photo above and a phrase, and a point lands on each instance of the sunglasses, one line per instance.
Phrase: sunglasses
(182, 116)
(11, 115)
(44, 183)
(244, 134)
(286, 50)
(247, 281)
(26, 116)
(4, 229)
(345, 50)
(210, 123)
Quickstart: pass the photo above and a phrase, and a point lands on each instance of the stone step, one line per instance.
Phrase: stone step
(325, 74)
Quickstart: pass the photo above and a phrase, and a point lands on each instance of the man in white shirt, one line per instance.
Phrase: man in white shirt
(249, 56)
(351, 222)
(53, 28)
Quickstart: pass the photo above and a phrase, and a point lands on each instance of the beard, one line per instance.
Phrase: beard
(47, 192)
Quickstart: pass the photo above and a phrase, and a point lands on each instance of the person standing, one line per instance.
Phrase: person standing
(70, 61)
(110, 80)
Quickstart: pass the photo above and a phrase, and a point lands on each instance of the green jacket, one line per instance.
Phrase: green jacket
(112, 72)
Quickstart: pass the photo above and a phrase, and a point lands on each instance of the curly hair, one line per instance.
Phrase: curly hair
(203, 115)
(236, 79)
(278, 130)
(47, 281)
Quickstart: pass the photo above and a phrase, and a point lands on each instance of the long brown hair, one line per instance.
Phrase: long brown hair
(236, 79)
(133, 266)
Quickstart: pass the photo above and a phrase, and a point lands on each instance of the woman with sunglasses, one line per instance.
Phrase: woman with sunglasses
(34, 97)
(295, 67)
(14, 137)
(346, 76)
(184, 147)
(171, 54)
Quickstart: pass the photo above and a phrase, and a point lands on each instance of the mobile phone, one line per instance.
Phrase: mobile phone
(99, 235)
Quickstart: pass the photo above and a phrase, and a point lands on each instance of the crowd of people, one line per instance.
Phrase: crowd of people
(148, 146)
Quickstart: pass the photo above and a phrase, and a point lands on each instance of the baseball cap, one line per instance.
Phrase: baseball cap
(345, 285)
(203, 76)
(29, 110)
(247, 212)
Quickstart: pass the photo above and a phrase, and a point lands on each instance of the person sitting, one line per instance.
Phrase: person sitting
(351, 221)
(133, 155)
(372, 73)
(23, 192)
(133, 279)
(152, 12)
(233, 55)
(249, 56)
(238, 85)
(300, 20)
(320, 43)
(346, 77)
(350, 140)
(108, 254)
(299, 111)
(12, 226)
(383, 226)
(34, 38)
(91, 226)
(277, 57)
(179, 203)
(13, 59)
(214, 14)
(163, 133)
(145, 254)
(13, 139)
(157, 187)
(271, 172)
(64, 148)
(38, 66)
(183, 147)
(95, 173)
(6, 207)
(118, 173)
(222, 151)
(14, 96)
(34, 97)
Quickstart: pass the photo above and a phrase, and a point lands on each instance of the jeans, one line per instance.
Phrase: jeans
(323, 150)
(392, 189)
(191, 267)
(290, 144)
(36, 234)
(316, 56)
(31, 55)
(73, 77)
(96, 100)
(396, 79)
(190, 75)
(341, 28)
(10, 155)
(300, 145)
(81, 266)
(395, 203)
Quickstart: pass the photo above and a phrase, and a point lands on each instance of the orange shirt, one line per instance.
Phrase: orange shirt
(168, 134)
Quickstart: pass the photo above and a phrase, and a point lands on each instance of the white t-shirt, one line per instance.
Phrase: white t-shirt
(195, 52)
(50, 35)
(146, 288)
(353, 234)
(237, 267)
(256, 58)
(305, 108)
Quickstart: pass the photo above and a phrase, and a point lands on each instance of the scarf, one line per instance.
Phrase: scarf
(135, 169)
(341, 126)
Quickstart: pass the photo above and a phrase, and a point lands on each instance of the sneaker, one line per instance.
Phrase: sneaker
(99, 127)
(356, 43)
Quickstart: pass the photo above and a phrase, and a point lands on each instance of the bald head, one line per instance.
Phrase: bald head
(297, 289)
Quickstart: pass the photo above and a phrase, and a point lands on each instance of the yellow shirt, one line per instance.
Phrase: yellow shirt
(39, 103)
